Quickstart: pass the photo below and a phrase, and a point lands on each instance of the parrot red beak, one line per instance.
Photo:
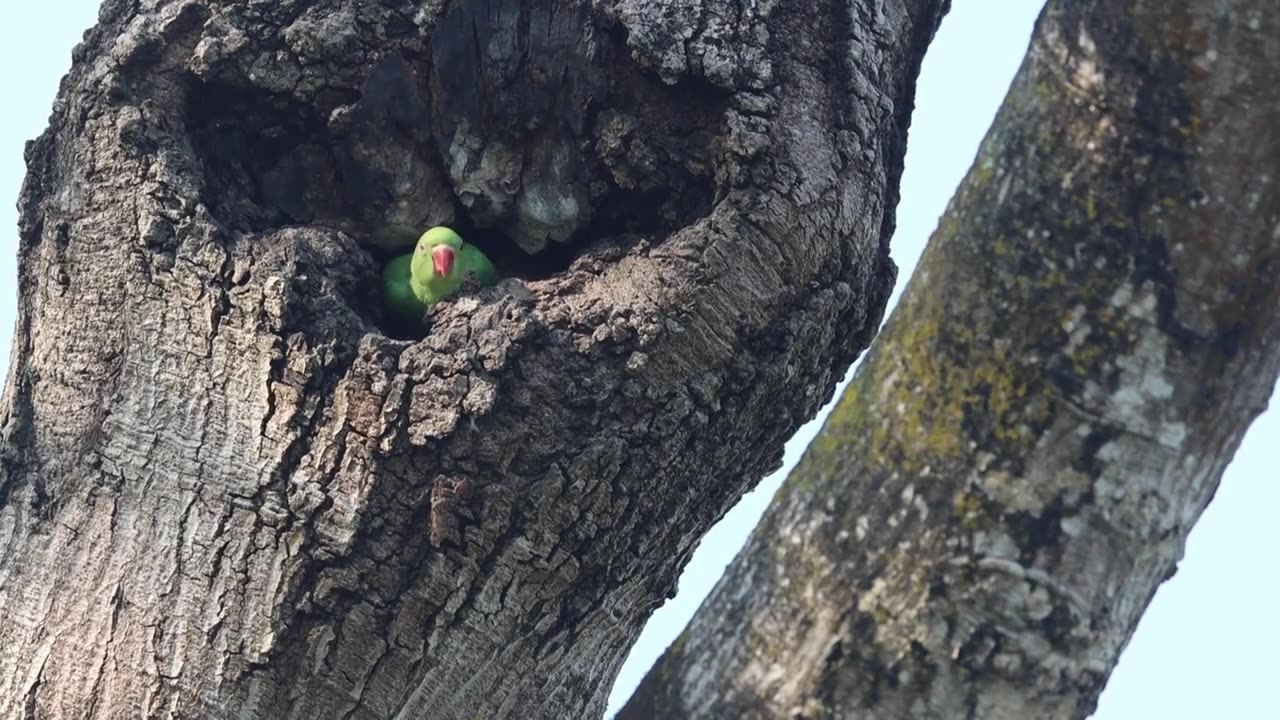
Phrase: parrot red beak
(442, 258)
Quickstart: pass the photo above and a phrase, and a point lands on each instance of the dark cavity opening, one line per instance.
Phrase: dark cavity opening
(534, 135)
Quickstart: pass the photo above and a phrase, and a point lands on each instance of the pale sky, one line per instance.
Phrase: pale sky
(1206, 647)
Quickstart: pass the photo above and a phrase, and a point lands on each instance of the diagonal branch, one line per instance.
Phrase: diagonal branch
(1016, 465)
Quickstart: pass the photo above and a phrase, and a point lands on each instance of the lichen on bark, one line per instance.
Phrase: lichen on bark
(1015, 467)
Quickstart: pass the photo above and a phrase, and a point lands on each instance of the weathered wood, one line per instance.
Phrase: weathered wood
(224, 492)
(1017, 463)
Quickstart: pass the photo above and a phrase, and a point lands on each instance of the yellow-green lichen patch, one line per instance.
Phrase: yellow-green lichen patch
(969, 506)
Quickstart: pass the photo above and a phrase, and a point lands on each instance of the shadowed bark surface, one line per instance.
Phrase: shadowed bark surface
(1017, 463)
(225, 492)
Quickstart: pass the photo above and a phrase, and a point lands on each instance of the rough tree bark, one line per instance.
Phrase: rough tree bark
(225, 492)
(1017, 463)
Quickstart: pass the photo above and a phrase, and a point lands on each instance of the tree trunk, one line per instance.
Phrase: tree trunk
(225, 491)
(1018, 461)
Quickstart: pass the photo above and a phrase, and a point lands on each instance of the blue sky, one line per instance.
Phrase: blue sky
(1206, 647)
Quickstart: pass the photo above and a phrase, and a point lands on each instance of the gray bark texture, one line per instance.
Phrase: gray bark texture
(225, 491)
(1017, 463)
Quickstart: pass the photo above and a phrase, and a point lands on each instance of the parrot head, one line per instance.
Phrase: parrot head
(437, 249)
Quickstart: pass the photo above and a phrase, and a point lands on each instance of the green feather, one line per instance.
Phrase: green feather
(410, 282)
(473, 262)
(403, 304)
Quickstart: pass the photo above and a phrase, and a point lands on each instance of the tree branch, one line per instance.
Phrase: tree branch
(1016, 465)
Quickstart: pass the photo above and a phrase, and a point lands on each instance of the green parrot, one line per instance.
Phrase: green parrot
(434, 270)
